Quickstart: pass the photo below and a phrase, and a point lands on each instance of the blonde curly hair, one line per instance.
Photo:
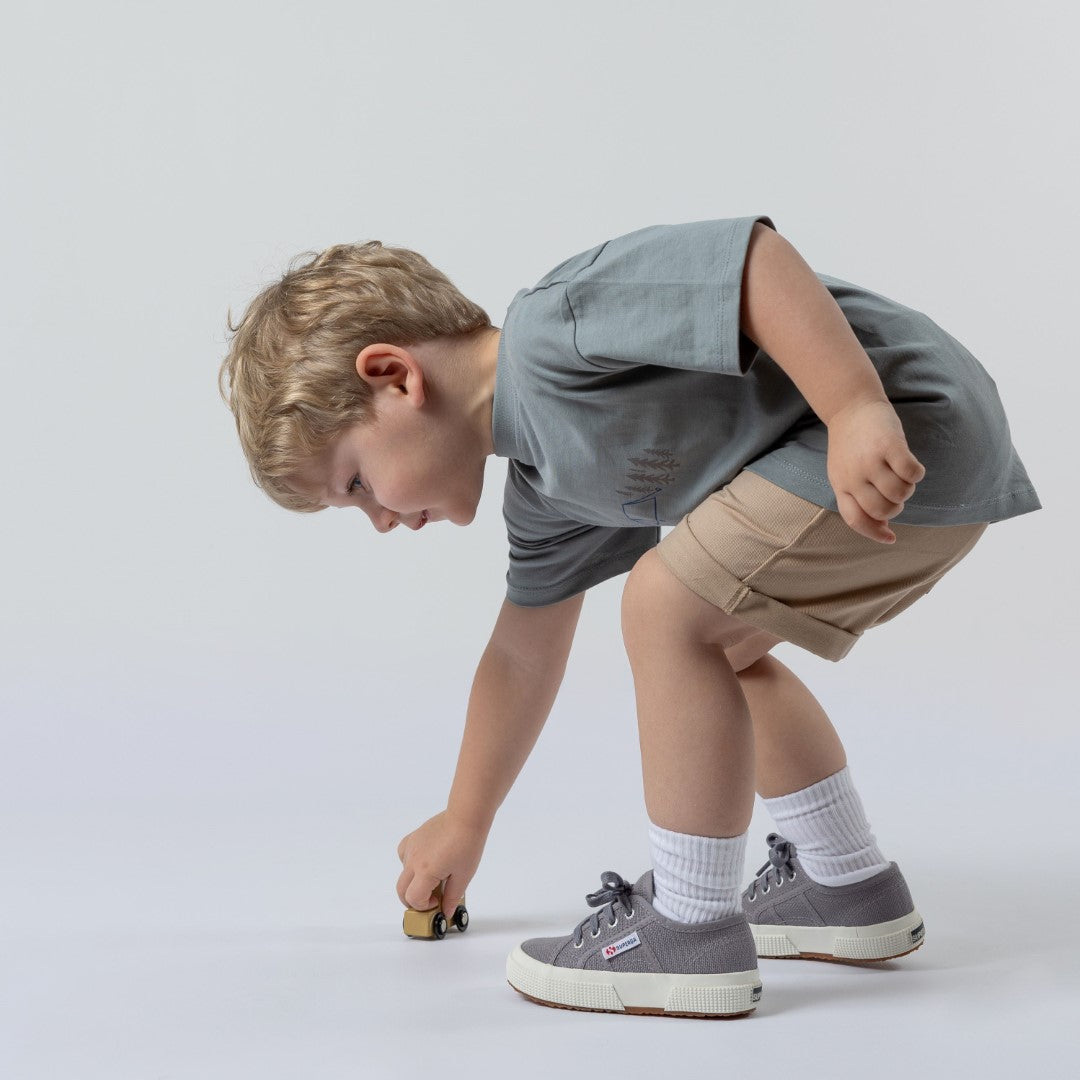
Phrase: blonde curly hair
(291, 364)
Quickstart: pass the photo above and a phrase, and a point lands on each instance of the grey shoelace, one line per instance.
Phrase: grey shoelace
(616, 890)
(780, 864)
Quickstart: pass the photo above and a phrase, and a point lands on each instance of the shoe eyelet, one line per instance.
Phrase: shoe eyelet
(614, 922)
(597, 934)
(780, 882)
(629, 917)
(578, 944)
(766, 889)
(794, 875)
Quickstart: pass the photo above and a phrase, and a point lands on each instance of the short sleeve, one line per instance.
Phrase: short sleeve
(667, 295)
(553, 557)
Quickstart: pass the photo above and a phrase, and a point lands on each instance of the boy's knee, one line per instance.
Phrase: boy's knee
(643, 595)
(654, 600)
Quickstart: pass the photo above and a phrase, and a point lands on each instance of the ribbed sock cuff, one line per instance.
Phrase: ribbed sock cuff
(696, 878)
(828, 826)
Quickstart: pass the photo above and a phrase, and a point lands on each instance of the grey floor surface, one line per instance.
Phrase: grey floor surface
(143, 946)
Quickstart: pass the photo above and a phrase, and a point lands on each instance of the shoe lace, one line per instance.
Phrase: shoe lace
(615, 890)
(781, 863)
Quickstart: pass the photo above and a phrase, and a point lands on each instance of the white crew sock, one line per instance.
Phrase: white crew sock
(829, 829)
(696, 878)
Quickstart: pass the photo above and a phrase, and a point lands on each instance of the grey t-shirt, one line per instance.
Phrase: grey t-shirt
(625, 394)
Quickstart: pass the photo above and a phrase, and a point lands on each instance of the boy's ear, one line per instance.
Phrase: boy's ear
(389, 365)
(376, 361)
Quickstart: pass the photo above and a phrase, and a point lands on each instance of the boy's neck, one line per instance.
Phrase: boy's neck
(480, 363)
(464, 372)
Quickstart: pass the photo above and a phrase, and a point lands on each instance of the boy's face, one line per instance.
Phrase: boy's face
(417, 462)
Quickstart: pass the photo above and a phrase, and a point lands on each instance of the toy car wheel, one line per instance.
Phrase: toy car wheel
(461, 919)
(438, 925)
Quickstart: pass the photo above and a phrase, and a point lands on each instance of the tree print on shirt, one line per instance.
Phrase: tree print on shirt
(646, 478)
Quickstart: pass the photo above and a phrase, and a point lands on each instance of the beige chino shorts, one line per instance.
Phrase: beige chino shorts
(799, 571)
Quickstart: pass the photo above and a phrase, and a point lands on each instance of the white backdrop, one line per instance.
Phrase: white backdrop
(219, 717)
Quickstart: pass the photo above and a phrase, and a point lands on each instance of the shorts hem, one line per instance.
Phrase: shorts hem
(724, 590)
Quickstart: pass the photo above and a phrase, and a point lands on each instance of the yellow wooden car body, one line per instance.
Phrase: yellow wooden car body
(432, 923)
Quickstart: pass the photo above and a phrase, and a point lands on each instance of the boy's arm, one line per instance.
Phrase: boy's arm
(515, 686)
(788, 313)
(510, 702)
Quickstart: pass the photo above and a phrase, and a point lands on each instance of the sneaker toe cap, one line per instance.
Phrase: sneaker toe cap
(543, 949)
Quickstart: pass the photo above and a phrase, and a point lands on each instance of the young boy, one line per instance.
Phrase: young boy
(825, 454)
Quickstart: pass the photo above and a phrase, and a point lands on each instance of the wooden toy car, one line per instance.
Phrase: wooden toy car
(432, 923)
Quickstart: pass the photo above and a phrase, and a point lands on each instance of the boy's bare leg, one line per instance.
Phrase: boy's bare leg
(704, 729)
(715, 719)
(697, 741)
(694, 728)
(798, 749)
(796, 744)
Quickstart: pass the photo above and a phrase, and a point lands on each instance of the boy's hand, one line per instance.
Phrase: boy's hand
(444, 849)
(870, 467)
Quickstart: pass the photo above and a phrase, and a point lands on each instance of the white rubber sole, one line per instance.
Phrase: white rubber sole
(852, 944)
(733, 994)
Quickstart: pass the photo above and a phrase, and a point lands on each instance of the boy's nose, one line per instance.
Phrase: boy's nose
(383, 520)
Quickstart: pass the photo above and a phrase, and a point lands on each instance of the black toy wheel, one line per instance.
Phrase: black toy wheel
(438, 925)
(461, 918)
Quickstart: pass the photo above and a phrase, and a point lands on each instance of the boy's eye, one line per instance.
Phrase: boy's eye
(355, 483)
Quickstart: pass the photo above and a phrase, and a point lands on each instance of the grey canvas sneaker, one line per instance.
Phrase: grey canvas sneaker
(792, 916)
(628, 958)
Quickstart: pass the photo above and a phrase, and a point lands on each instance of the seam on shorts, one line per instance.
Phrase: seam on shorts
(800, 628)
(791, 622)
(780, 551)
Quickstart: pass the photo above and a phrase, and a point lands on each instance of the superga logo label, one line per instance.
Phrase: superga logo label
(631, 941)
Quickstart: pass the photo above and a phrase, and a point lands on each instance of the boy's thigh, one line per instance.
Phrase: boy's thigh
(799, 571)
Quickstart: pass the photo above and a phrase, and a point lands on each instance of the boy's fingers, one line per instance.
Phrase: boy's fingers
(403, 882)
(907, 466)
(453, 890)
(876, 508)
(410, 890)
(892, 487)
(420, 895)
(878, 505)
(861, 522)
